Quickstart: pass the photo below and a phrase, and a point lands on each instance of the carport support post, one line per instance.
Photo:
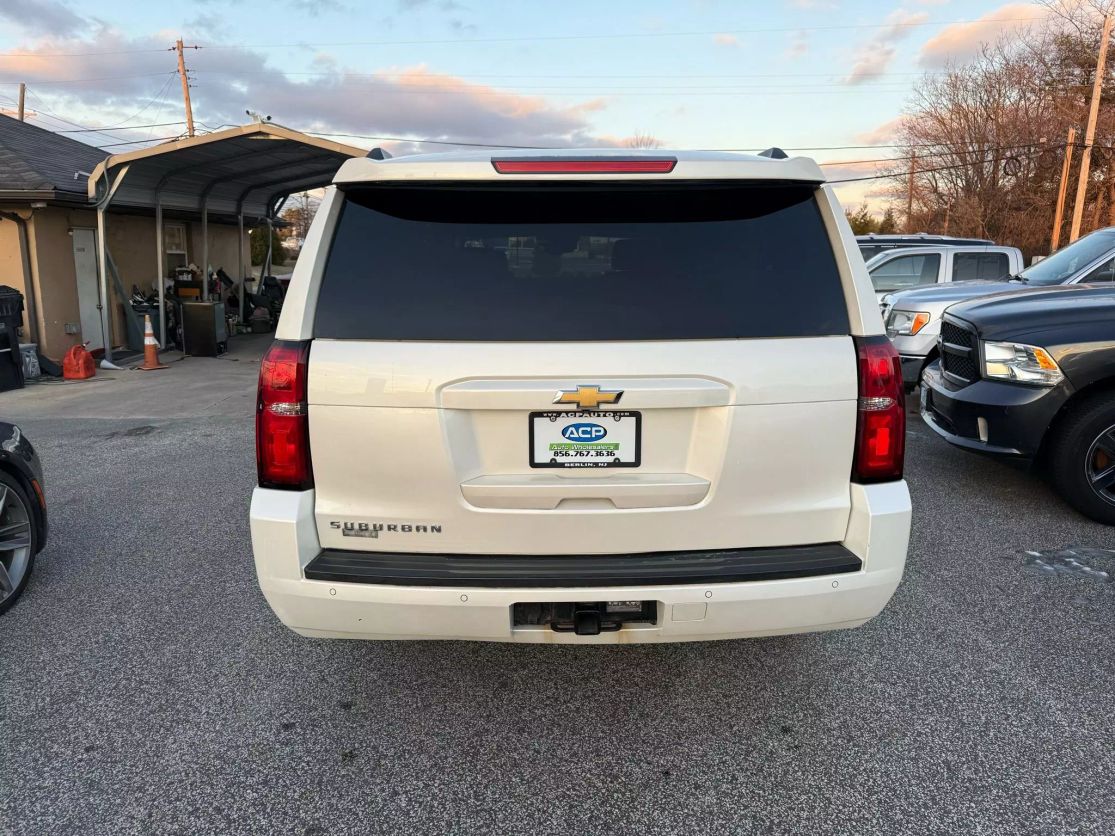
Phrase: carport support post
(102, 271)
(160, 278)
(205, 249)
(102, 259)
(267, 262)
(240, 263)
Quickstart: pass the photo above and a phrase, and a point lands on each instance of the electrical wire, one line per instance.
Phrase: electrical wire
(139, 141)
(943, 153)
(169, 78)
(613, 36)
(746, 150)
(461, 143)
(519, 38)
(951, 167)
(38, 82)
(430, 141)
(43, 110)
(129, 127)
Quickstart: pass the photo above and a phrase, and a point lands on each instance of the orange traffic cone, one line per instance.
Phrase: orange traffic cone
(150, 348)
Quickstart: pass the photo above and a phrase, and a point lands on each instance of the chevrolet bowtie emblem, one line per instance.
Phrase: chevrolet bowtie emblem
(588, 397)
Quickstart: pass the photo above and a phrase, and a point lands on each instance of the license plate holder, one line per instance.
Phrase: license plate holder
(570, 440)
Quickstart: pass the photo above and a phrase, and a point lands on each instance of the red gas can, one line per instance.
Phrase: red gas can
(78, 364)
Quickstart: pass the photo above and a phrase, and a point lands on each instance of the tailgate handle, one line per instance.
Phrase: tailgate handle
(638, 393)
(545, 492)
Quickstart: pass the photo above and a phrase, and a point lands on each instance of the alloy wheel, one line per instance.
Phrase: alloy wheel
(15, 541)
(1099, 465)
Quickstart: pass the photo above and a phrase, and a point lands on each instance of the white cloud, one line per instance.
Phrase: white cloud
(799, 45)
(883, 134)
(400, 101)
(961, 41)
(874, 56)
(41, 17)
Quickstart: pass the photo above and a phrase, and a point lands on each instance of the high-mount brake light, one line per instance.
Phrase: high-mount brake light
(881, 421)
(651, 165)
(282, 429)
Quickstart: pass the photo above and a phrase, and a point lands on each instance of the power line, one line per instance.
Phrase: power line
(126, 127)
(151, 101)
(38, 82)
(585, 76)
(814, 88)
(42, 110)
(951, 167)
(159, 109)
(77, 54)
(605, 93)
(429, 141)
(943, 153)
(380, 138)
(517, 38)
(603, 36)
(140, 141)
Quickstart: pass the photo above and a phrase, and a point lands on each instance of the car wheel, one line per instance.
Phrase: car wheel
(17, 540)
(1082, 458)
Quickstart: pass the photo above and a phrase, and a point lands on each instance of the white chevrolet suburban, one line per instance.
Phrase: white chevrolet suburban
(579, 397)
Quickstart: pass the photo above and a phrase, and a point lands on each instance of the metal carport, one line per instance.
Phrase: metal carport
(242, 172)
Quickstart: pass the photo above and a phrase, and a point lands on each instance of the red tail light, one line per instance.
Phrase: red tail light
(572, 165)
(881, 425)
(282, 429)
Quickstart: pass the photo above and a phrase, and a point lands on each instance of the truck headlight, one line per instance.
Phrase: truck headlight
(1021, 363)
(906, 323)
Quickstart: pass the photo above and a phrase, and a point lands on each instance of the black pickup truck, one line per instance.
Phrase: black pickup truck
(1031, 376)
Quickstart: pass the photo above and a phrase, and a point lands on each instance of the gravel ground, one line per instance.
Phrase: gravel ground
(145, 687)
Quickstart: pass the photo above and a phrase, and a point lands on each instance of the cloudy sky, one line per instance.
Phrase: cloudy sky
(803, 74)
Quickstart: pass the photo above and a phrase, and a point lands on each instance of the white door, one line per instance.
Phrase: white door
(85, 268)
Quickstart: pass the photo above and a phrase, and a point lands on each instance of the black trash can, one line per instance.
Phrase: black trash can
(11, 317)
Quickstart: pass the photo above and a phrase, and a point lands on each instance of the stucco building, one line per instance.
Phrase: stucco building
(48, 233)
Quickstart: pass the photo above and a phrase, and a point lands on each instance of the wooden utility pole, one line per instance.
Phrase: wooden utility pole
(1059, 212)
(910, 193)
(185, 86)
(1090, 130)
(22, 99)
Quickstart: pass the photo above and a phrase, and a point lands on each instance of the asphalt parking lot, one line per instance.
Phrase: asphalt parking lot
(145, 687)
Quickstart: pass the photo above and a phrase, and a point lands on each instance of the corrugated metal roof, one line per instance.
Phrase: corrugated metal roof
(239, 169)
(36, 160)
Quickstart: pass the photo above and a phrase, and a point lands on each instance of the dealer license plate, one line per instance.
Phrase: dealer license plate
(585, 439)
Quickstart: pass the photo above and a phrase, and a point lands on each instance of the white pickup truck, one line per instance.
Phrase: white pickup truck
(913, 317)
(905, 269)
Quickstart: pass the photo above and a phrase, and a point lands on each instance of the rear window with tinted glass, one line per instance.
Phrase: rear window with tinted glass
(559, 263)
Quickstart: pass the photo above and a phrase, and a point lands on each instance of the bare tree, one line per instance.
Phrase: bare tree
(986, 139)
(299, 214)
(642, 140)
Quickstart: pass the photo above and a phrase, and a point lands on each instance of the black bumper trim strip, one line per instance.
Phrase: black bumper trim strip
(654, 568)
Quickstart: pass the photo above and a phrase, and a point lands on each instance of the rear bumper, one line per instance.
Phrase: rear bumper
(285, 545)
(586, 570)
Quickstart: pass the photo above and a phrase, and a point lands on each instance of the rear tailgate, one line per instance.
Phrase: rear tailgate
(699, 336)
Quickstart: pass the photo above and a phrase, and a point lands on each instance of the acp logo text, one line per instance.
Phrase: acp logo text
(583, 432)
